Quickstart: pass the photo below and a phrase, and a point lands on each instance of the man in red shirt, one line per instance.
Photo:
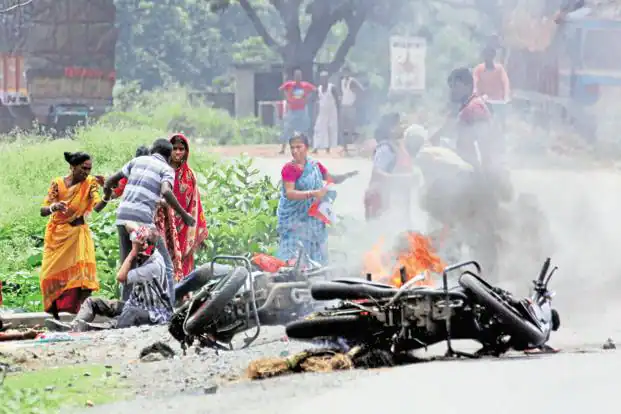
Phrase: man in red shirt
(472, 124)
(296, 118)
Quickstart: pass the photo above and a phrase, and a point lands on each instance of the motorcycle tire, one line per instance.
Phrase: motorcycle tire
(209, 312)
(514, 323)
(326, 327)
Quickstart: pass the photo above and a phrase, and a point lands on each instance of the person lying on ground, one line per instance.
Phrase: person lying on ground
(148, 303)
(149, 179)
(68, 273)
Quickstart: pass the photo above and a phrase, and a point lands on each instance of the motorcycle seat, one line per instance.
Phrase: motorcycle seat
(360, 281)
(354, 290)
(350, 291)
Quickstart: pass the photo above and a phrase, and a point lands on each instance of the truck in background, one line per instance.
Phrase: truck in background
(61, 72)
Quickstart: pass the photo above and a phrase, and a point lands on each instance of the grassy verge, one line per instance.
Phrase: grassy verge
(50, 390)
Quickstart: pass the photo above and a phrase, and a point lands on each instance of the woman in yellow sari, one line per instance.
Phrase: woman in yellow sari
(68, 274)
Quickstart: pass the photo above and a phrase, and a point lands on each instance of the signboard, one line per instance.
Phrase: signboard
(407, 64)
(12, 80)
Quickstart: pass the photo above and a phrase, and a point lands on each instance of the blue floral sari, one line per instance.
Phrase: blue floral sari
(294, 223)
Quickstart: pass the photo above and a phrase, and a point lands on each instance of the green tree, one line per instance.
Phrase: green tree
(306, 25)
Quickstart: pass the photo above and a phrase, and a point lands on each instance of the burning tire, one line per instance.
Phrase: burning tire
(211, 310)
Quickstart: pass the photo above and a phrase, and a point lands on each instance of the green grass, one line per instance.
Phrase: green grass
(50, 390)
(31, 162)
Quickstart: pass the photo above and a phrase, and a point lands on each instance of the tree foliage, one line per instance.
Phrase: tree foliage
(306, 25)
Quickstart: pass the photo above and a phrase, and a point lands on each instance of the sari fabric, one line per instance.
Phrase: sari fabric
(165, 223)
(68, 272)
(294, 223)
(187, 192)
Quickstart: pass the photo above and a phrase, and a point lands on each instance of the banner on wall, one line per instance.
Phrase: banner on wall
(407, 64)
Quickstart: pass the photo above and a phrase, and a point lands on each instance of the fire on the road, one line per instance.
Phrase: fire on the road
(414, 253)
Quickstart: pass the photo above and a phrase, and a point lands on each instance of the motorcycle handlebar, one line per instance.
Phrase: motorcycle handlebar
(544, 270)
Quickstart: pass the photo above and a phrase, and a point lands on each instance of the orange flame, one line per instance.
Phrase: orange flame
(418, 257)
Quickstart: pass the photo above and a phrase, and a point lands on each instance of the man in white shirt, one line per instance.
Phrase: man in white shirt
(350, 91)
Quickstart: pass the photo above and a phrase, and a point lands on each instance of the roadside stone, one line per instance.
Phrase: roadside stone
(211, 389)
(152, 358)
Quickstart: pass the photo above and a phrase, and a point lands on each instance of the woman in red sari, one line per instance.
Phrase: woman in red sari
(186, 191)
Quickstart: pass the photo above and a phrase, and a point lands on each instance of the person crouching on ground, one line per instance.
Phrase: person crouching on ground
(148, 303)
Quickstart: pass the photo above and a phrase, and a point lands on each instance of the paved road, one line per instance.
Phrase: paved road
(582, 209)
(562, 383)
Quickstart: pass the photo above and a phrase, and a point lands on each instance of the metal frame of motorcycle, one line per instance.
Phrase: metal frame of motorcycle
(450, 351)
(248, 340)
(253, 303)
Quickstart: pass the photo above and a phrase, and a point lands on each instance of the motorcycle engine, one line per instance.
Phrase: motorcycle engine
(175, 327)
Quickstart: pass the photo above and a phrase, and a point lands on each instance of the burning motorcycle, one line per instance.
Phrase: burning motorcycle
(397, 320)
(245, 298)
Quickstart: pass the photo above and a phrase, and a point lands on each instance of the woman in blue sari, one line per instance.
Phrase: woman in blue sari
(303, 183)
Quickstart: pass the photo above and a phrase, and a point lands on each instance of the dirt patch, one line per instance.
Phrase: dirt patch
(196, 371)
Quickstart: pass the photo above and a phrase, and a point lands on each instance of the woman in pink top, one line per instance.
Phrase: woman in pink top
(304, 181)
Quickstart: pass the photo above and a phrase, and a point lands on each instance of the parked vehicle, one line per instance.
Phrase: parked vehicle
(59, 73)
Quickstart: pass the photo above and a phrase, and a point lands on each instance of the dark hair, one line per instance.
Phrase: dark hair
(76, 158)
(386, 125)
(298, 136)
(178, 138)
(142, 151)
(461, 75)
(489, 51)
(163, 147)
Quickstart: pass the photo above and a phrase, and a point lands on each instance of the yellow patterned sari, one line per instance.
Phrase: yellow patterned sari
(68, 273)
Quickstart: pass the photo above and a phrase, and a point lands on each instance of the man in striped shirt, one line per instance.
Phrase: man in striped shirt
(149, 302)
(149, 178)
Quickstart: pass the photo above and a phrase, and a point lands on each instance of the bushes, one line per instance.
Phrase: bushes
(172, 110)
(239, 203)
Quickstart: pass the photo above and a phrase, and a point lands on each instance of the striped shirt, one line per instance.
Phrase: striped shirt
(149, 290)
(145, 176)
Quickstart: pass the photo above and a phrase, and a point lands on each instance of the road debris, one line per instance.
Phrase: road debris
(156, 352)
(609, 344)
(320, 360)
(15, 335)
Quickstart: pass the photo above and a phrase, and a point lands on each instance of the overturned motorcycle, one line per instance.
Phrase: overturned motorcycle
(243, 299)
(382, 317)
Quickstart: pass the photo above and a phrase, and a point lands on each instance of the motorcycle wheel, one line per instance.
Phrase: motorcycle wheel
(327, 327)
(515, 324)
(209, 312)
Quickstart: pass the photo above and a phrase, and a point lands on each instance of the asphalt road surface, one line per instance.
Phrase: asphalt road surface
(582, 207)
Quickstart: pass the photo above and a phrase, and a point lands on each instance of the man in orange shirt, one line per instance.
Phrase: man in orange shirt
(492, 82)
